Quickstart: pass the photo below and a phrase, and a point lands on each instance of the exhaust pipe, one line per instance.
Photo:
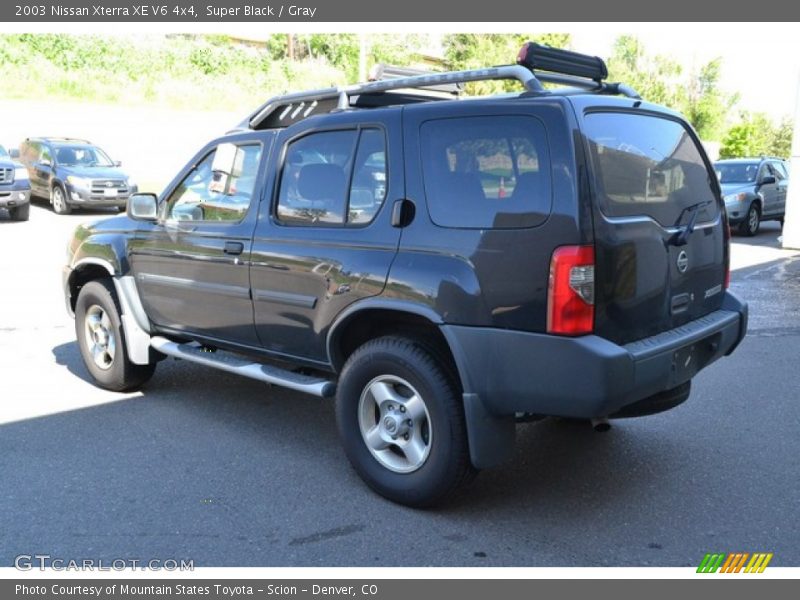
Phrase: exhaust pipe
(601, 424)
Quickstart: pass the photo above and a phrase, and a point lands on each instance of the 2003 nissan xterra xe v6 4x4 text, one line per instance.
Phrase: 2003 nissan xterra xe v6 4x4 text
(443, 268)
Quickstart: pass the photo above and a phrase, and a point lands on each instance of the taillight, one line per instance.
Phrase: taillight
(570, 291)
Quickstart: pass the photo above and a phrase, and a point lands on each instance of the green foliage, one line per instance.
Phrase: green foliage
(782, 139)
(475, 51)
(656, 78)
(661, 80)
(177, 70)
(756, 135)
(706, 106)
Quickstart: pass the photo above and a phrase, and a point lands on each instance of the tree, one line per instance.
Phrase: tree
(782, 140)
(706, 106)
(755, 135)
(656, 78)
(661, 80)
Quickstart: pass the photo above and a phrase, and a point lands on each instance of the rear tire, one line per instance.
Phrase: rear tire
(752, 221)
(101, 339)
(21, 213)
(58, 198)
(401, 422)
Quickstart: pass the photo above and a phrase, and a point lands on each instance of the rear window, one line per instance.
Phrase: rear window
(486, 172)
(648, 166)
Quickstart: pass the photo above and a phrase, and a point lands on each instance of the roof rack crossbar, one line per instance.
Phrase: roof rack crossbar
(342, 94)
(583, 84)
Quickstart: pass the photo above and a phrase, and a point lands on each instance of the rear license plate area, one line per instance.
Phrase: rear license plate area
(688, 360)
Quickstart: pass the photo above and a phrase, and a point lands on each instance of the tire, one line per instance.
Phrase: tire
(383, 382)
(101, 339)
(752, 221)
(58, 198)
(21, 213)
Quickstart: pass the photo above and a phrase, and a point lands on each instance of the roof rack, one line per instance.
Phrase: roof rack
(49, 138)
(537, 65)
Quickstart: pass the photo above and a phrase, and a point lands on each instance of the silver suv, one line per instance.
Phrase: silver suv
(754, 190)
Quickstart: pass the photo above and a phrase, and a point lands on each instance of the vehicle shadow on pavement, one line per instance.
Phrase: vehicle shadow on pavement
(556, 461)
(565, 463)
(44, 204)
(67, 355)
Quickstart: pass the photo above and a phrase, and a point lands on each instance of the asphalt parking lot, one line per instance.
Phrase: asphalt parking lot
(225, 471)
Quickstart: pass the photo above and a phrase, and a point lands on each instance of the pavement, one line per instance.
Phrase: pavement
(224, 471)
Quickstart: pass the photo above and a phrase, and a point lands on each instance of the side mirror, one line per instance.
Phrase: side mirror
(14, 153)
(117, 163)
(45, 162)
(143, 207)
(768, 180)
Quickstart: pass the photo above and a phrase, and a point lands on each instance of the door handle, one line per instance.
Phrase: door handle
(234, 248)
(402, 213)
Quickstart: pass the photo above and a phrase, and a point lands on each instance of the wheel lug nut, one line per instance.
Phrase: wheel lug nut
(402, 409)
(391, 407)
(394, 437)
(409, 422)
(405, 437)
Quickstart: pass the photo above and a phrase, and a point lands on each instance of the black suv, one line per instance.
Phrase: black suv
(73, 173)
(15, 190)
(754, 190)
(443, 268)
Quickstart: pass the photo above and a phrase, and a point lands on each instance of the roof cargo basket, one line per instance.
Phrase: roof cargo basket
(536, 56)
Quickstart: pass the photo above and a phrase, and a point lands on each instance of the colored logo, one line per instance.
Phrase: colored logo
(735, 562)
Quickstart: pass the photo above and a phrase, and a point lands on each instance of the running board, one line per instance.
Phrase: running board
(226, 361)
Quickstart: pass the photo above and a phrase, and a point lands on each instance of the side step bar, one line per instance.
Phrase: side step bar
(226, 361)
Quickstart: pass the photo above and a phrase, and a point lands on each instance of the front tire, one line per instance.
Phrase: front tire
(401, 422)
(58, 198)
(752, 222)
(101, 340)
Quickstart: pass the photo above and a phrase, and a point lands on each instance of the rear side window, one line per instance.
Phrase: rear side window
(486, 172)
(648, 166)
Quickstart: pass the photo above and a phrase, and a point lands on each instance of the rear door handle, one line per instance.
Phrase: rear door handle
(234, 248)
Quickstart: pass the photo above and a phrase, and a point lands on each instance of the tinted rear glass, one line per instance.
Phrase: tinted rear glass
(647, 166)
(486, 172)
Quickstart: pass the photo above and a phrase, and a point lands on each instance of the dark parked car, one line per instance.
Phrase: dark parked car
(443, 268)
(73, 173)
(15, 190)
(754, 190)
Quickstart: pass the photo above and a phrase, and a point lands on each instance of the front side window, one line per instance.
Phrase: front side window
(219, 188)
(485, 172)
(333, 178)
(648, 166)
(779, 170)
(765, 171)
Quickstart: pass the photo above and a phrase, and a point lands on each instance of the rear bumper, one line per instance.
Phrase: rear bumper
(511, 372)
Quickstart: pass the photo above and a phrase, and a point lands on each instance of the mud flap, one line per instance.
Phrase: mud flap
(491, 437)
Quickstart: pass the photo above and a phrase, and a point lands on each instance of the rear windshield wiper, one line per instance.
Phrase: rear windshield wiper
(682, 235)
